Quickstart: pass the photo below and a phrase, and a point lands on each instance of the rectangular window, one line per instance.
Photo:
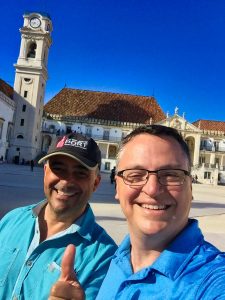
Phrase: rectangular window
(25, 94)
(22, 122)
(106, 135)
(88, 131)
(9, 130)
(24, 107)
(201, 159)
(68, 129)
(107, 165)
(207, 175)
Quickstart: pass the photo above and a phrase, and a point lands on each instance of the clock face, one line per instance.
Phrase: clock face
(35, 22)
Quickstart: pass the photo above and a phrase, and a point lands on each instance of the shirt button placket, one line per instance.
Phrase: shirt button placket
(29, 263)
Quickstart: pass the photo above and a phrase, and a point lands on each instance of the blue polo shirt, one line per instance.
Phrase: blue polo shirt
(190, 268)
(29, 269)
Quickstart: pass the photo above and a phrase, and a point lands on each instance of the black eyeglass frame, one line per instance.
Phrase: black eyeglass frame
(120, 174)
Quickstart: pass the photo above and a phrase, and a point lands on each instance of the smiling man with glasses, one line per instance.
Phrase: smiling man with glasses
(165, 255)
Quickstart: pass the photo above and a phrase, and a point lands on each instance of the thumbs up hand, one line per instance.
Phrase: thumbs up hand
(67, 287)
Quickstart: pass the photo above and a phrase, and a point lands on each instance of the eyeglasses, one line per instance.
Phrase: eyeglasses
(166, 177)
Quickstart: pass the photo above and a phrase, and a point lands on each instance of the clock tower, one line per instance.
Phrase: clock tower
(29, 86)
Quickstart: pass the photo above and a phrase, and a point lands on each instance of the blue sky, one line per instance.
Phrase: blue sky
(174, 50)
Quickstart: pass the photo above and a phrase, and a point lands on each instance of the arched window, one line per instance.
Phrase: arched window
(19, 136)
(32, 50)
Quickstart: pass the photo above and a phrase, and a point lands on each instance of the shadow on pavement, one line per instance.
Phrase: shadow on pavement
(109, 218)
(207, 205)
(103, 200)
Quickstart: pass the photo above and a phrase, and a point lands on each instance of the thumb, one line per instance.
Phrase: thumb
(67, 287)
(67, 265)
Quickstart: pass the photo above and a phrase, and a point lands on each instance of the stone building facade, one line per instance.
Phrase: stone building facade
(7, 110)
(27, 126)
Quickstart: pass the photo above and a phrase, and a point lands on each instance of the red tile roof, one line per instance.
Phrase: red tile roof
(6, 89)
(210, 125)
(105, 106)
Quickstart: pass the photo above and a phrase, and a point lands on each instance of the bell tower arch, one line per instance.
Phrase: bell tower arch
(31, 75)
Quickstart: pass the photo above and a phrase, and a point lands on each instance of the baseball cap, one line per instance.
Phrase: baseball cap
(77, 146)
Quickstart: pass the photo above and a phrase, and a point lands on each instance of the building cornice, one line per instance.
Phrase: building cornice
(93, 121)
(213, 132)
(36, 35)
(35, 70)
(7, 100)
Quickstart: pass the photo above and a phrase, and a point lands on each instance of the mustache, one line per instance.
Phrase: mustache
(68, 188)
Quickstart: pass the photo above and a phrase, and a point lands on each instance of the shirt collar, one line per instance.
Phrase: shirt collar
(87, 221)
(38, 207)
(174, 259)
(83, 225)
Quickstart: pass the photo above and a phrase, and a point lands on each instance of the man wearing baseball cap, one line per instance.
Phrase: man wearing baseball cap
(34, 238)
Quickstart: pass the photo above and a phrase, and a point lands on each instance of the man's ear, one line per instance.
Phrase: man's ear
(192, 198)
(96, 182)
(116, 195)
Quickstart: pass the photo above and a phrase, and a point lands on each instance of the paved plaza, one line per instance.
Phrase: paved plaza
(19, 186)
